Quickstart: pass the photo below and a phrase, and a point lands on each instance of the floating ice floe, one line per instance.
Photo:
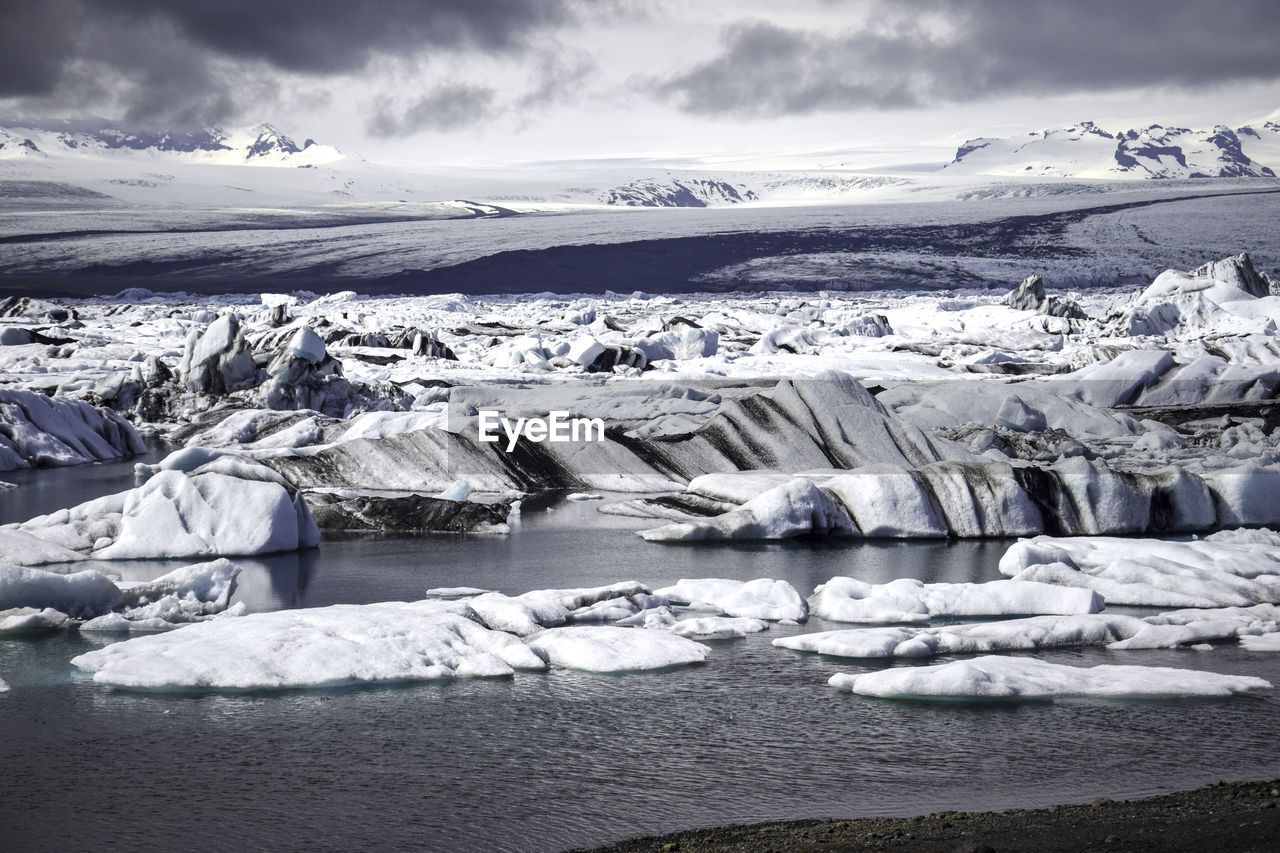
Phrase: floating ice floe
(608, 648)
(715, 627)
(33, 599)
(844, 599)
(1200, 573)
(1006, 678)
(4, 686)
(39, 431)
(80, 595)
(1115, 631)
(762, 598)
(530, 612)
(315, 647)
(225, 507)
(1261, 642)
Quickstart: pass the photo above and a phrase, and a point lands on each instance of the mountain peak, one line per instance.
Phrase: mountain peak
(261, 145)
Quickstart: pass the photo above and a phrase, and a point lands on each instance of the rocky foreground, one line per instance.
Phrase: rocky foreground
(1237, 816)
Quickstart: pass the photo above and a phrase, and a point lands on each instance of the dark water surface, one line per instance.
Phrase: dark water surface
(545, 761)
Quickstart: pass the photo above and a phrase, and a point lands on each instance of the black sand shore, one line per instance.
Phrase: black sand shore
(1228, 816)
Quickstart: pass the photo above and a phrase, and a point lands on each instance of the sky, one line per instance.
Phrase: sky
(738, 83)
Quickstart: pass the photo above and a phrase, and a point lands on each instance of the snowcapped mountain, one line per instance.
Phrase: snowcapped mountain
(262, 145)
(672, 192)
(1085, 150)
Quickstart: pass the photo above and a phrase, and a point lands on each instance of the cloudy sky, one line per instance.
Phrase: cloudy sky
(725, 81)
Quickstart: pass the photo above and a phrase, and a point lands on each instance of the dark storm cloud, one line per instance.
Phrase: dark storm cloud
(188, 59)
(934, 52)
(446, 107)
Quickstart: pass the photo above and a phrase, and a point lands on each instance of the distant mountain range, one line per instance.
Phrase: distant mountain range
(262, 145)
(1087, 151)
(74, 161)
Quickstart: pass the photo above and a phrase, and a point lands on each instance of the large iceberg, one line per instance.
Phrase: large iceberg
(316, 647)
(36, 430)
(1006, 678)
(226, 507)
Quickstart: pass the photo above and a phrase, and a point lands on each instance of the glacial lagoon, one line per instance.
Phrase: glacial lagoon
(561, 759)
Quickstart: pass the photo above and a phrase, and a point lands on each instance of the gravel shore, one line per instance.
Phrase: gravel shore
(1228, 816)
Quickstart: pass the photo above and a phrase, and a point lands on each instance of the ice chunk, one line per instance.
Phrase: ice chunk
(22, 620)
(715, 627)
(115, 623)
(1004, 678)
(17, 547)
(459, 490)
(307, 345)
(762, 598)
(680, 343)
(1160, 631)
(327, 646)
(796, 508)
(79, 595)
(1016, 415)
(844, 599)
(4, 686)
(607, 648)
(1037, 632)
(455, 592)
(522, 616)
(175, 515)
(1151, 572)
(1261, 643)
(187, 594)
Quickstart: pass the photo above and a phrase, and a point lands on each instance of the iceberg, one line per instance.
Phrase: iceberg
(1261, 642)
(796, 508)
(762, 598)
(1151, 572)
(844, 599)
(79, 595)
(1005, 678)
(1172, 630)
(28, 620)
(715, 627)
(315, 647)
(228, 506)
(44, 431)
(608, 648)
(32, 598)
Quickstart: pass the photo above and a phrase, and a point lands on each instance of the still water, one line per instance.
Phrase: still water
(549, 761)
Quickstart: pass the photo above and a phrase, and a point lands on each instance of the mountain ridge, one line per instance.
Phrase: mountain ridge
(1086, 150)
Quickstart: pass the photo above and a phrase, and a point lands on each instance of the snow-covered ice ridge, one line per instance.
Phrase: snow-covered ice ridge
(1086, 150)
(900, 415)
